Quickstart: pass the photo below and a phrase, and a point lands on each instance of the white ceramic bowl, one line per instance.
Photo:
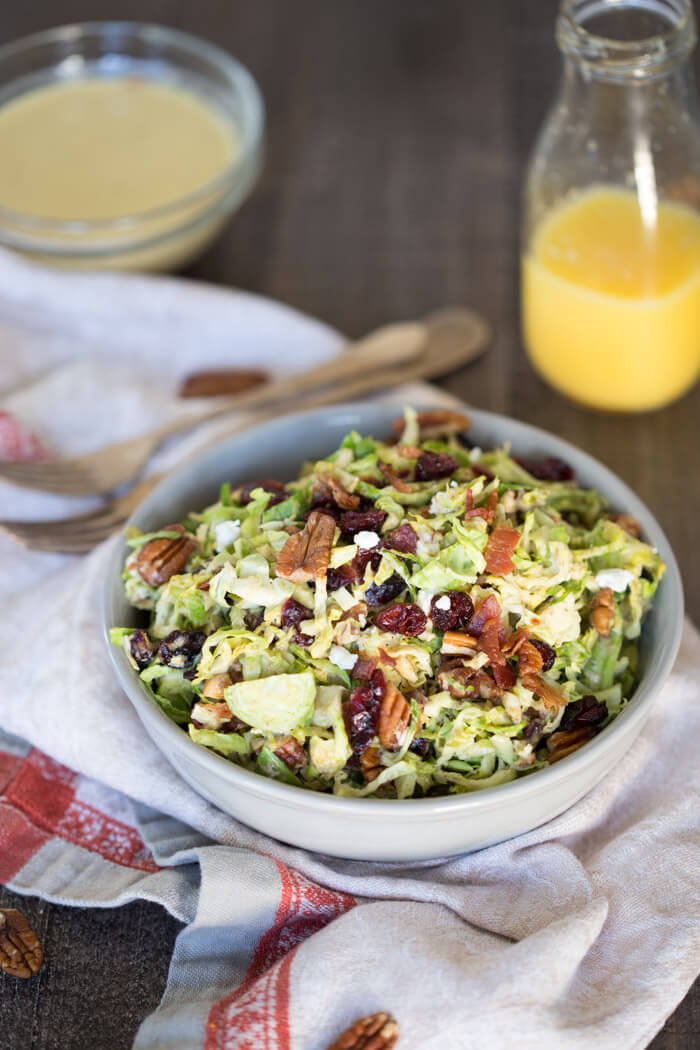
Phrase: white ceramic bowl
(389, 829)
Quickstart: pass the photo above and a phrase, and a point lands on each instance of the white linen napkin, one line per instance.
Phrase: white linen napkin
(580, 934)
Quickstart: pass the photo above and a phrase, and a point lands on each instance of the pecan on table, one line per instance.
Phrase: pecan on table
(376, 1032)
(306, 554)
(394, 716)
(20, 951)
(603, 611)
(221, 383)
(162, 558)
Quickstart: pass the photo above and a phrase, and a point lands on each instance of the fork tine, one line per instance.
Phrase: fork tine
(62, 476)
(63, 542)
(36, 467)
(100, 517)
(86, 533)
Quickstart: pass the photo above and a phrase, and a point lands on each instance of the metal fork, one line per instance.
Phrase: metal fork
(449, 345)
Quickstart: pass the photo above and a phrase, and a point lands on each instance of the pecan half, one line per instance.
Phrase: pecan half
(162, 558)
(306, 554)
(394, 716)
(376, 1032)
(628, 523)
(393, 478)
(602, 611)
(20, 951)
(564, 742)
(214, 687)
(341, 497)
(440, 423)
(370, 763)
(458, 641)
(292, 753)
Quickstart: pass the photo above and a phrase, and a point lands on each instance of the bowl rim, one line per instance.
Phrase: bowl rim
(239, 81)
(249, 782)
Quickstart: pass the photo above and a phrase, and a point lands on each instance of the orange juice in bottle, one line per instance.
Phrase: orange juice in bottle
(611, 309)
(611, 254)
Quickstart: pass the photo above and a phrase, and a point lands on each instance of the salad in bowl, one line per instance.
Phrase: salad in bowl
(407, 618)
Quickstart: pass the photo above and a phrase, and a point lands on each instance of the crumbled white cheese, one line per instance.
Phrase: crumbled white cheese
(453, 484)
(226, 533)
(342, 658)
(443, 603)
(441, 503)
(475, 454)
(366, 540)
(617, 579)
(424, 598)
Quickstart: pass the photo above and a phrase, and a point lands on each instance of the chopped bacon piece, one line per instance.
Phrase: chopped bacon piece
(291, 753)
(386, 658)
(489, 643)
(393, 478)
(487, 512)
(499, 550)
(488, 609)
(516, 640)
(364, 666)
(530, 660)
(550, 696)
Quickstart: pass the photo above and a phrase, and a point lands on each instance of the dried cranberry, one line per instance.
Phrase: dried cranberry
(432, 465)
(336, 578)
(546, 652)
(181, 648)
(535, 724)
(403, 539)
(549, 468)
(354, 521)
(380, 593)
(361, 713)
(584, 712)
(304, 640)
(363, 558)
(141, 648)
(457, 616)
(275, 488)
(293, 612)
(234, 725)
(253, 618)
(332, 511)
(421, 746)
(402, 618)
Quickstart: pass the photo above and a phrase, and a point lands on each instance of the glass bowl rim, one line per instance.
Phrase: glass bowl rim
(239, 80)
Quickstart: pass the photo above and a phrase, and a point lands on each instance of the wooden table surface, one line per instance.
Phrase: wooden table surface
(398, 132)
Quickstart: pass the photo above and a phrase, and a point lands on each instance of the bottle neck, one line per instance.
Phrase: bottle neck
(625, 41)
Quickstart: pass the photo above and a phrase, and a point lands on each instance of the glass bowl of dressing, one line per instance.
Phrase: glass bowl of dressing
(123, 145)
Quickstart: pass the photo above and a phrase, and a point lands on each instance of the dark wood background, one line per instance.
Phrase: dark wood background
(398, 131)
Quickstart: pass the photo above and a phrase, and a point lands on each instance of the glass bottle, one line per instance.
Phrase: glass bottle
(611, 222)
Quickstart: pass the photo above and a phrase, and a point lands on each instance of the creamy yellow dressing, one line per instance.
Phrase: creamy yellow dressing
(104, 148)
